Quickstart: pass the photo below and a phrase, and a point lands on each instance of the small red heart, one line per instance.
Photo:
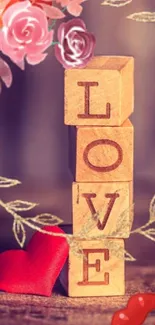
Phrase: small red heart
(34, 270)
(138, 307)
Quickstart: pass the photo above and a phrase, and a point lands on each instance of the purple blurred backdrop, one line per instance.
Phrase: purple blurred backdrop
(34, 139)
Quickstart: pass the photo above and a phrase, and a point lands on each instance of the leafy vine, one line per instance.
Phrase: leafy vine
(144, 16)
(47, 219)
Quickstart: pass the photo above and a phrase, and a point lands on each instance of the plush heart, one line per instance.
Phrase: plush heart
(139, 306)
(35, 269)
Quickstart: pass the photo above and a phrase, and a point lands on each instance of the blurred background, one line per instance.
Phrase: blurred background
(34, 139)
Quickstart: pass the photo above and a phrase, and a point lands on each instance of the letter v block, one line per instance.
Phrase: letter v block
(102, 93)
(102, 209)
(99, 271)
(104, 154)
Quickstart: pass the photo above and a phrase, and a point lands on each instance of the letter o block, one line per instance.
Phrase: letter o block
(105, 154)
(100, 94)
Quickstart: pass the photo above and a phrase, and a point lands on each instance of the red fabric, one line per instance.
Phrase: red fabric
(139, 306)
(35, 270)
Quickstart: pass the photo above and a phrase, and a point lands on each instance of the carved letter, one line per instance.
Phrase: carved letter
(96, 265)
(111, 196)
(103, 142)
(86, 114)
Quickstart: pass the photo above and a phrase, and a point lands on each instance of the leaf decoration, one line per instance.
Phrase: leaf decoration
(88, 226)
(119, 251)
(116, 3)
(46, 219)
(76, 248)
(21, 205)
(150, 234)
(151, 231)
(128, 257)
(144, 17)
(19, 232)
(125, 220)
(152, 209)
(6, 182)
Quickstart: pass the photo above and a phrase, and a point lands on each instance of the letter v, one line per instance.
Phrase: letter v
(111, 196)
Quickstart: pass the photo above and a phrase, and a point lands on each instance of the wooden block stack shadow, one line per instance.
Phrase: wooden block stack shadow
(98, 102)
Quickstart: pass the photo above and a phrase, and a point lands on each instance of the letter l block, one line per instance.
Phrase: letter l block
(102, 93)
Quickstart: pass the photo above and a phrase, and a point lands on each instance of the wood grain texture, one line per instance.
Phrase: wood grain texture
(102, 93)
(112, 200)
(105, 154)
(61, 310)
(98, 272)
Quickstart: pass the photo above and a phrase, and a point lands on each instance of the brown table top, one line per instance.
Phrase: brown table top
(62, 310)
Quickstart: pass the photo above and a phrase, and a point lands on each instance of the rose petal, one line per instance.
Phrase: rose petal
(36, 59)
(69, 26)
(3, 4)
(64, 3)
(52, 12)
(74, 23)
(14, 10)
(49, 2)
(5, 73)
(42, 45)
(74, 9)
(16, 56)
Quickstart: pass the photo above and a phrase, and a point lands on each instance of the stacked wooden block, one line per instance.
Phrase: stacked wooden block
(99, 101)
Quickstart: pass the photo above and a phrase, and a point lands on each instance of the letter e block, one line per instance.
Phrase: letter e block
(101, 93)
(104, 154)
(102, 209)
(99, 271)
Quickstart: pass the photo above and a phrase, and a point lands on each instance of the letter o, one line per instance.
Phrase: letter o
(103, 142)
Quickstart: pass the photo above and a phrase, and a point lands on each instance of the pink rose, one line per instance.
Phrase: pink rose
(25, 33)
(76, 45)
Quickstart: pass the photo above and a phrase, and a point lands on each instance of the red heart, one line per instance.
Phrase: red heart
(36, 269)
(138, 307)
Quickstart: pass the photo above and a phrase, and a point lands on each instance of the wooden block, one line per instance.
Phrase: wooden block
(100, 94)
(99, 271)
(72, 149)
(104, 154)
(112, 200)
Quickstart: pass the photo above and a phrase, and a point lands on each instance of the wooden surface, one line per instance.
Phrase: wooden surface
(60, 310)
(108, 199)
(99, 272)
(101, 93)
(105, 154)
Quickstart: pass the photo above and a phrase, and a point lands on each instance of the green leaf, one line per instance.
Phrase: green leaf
(6, 182)
(47, 219)
(116, 3)
(19, 232)
(19, 205)
(144, 16)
